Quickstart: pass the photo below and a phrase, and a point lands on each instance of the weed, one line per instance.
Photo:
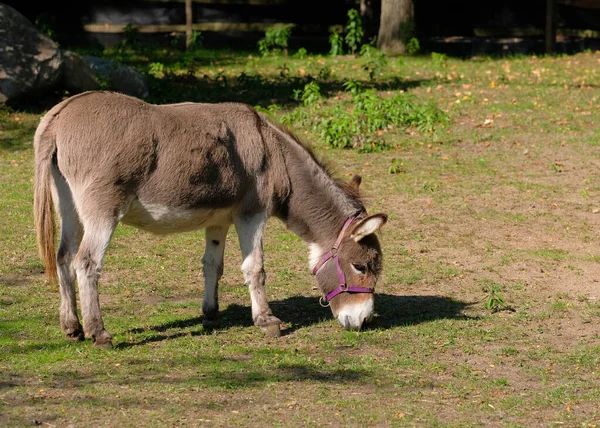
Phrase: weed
(413, 46)
(310, 95)
(494, 301)
(360, 123)
(374, 60)
(439, 60)
(324, 73)
(46, 23)
(301, 53)
(130, 37)
(275, 41)
(354, 31)
(157, 69)
(336, 41)
(396, 166)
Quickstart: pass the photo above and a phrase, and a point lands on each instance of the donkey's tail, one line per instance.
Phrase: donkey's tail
(44, 144)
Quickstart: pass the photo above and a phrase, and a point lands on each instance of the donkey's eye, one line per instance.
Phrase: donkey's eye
(359, 268)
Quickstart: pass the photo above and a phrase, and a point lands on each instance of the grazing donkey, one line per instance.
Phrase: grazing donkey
(103, 157)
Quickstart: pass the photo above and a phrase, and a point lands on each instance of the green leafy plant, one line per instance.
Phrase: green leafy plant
(375, 61)
(157, 69)
(439, 59)
(196, 39)
(413, 46)
(46, 24)
(324, 73)
(301, 53)
(130, 37)
(275, 41)
(310, 95)
(396, 166)
(336, 41)
(494, 301)
(362, 121)
(353, 30)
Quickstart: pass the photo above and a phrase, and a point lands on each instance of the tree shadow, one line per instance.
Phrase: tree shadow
(300, 311)
(255, 89)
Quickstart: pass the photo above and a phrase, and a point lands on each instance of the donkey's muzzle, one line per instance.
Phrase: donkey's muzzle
(354, 316)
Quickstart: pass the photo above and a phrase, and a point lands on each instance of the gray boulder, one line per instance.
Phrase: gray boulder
(29, 61)
(119, 77)
(78, 76)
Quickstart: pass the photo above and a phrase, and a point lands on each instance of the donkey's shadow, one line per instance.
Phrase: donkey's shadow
(300, 311)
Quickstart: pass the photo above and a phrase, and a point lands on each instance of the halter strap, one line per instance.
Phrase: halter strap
(332, 254)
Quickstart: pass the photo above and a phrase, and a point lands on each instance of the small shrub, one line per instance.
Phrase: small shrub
(157, 69)
(493, 301)
(375, 60)
(361, 122)
(336, 41)
(301, 53)
(324, 73)
(396, 166)
(275, 41)
(196, 40)
(310, 95)
(413, 46)
(353, 30)
(439, 59)
(130, 37)
(46, 24)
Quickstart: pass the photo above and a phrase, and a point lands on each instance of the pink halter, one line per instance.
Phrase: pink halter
(332, 254)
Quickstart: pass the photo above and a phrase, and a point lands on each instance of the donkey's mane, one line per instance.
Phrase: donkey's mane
(349, 190)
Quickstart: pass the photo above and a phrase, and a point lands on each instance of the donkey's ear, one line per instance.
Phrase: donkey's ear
(355, 182)
(368, 226)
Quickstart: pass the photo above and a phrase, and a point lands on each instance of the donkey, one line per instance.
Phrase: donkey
(102, 158)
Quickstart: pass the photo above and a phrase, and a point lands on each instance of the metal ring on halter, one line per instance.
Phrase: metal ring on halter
(321, 302)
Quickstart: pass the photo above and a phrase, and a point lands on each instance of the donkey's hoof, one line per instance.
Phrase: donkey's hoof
(210, 323)
(272, 330)
(103, 340)
(73, 332)
(75, 336)
(269, 325)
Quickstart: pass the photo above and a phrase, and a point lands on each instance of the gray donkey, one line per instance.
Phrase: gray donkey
(103, 157)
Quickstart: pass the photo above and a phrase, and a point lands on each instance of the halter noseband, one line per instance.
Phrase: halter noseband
(333, 254)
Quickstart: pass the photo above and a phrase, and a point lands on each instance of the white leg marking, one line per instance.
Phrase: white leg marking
(250, 231)
(212, 263)
(352, 317)
(71, 232)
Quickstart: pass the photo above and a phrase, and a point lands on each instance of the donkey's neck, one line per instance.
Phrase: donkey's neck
(317, 206)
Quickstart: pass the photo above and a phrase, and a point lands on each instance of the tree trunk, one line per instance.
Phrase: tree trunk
(188, 23)
(396, 26)
(366, 17)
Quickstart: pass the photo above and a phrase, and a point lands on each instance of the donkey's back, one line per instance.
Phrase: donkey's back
(163, 168)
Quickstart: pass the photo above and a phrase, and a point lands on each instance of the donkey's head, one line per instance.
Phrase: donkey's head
(348, 272)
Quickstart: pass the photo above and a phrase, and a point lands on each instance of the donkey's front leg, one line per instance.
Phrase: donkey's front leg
(212, 264)
(250, 229)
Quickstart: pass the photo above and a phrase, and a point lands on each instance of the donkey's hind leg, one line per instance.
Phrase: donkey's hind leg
(250, 229)
(70, 237)
(212, 264)
(88, 263)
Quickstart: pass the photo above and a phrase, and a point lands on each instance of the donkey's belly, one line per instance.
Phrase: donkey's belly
(164, 219)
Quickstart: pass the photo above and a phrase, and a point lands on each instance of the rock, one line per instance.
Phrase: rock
(29, 61)
(78, 76)
(119, 77)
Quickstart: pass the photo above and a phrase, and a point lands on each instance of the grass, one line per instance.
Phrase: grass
(501, 198)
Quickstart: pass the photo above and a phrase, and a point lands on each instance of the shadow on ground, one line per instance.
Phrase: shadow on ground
(299, 312)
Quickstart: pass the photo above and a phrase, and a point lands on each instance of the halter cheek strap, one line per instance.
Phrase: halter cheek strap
(333, 254)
